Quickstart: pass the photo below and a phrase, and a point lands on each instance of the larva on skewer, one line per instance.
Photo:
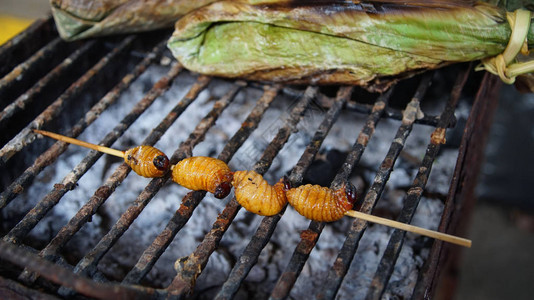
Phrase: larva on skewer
(252, 191)
(146, 161)
(256, 195)
(320, 203)
(204, 173)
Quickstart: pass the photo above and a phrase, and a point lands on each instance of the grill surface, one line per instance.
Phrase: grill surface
(64, 87)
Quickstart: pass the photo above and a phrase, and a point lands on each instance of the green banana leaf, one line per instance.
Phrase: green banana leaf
(78, 19)
(368, 43)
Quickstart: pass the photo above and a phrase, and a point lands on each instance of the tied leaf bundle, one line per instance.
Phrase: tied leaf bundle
(78, 19)
(368, 43)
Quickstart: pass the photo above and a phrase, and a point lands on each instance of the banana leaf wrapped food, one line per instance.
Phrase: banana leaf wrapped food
(368, 43)
(77, 19)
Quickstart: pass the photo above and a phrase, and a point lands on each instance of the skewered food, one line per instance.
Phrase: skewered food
(320, 203)
(76, 19)
(147, 161)
(204, 173)
(256, 195)
(315, 202)
(369, 43)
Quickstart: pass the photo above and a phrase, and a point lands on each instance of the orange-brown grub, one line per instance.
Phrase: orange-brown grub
(201, 173)
(256, 195)
(321, 204)
(147, 161)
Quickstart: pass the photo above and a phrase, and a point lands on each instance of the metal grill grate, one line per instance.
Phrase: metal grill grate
(78, 82)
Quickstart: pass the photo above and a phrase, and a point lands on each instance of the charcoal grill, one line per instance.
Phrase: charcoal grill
(49, 84)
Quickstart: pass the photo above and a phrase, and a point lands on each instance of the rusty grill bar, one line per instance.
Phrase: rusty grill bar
(308, 241)
(23, 158)
(385, 267)
(191, 267)
(192, 199)
(268, 224)
(58, 148)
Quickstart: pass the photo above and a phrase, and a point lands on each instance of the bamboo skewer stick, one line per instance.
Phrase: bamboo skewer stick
(70, 140)
(411, 228)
